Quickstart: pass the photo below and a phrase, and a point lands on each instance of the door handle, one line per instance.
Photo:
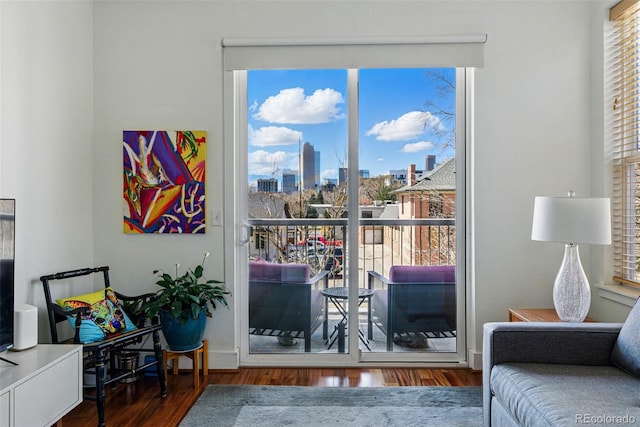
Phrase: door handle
(246, 231)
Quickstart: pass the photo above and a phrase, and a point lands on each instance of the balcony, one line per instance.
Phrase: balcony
(322, 244)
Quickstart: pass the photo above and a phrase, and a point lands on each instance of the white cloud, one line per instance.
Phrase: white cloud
(273, 135)
(406, 127)
(380, 159)
(415, 147)
(292, 106)
(265, 163)
(329, 174)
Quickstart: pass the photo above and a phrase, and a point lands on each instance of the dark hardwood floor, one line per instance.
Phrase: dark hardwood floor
(139, 404)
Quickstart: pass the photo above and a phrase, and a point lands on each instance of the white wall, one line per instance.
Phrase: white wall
(46, 140)
(157, 65)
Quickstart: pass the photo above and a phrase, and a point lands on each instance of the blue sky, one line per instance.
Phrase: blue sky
(396, 124)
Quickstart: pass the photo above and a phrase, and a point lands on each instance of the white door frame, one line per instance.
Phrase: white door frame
(235, 233)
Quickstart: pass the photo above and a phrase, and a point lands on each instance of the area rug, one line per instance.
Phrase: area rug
(243, 405)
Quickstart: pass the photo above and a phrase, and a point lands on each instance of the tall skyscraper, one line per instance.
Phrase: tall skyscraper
(342, 176)
(308, 166)
(289, 181)
(317, 165)
(430, 162)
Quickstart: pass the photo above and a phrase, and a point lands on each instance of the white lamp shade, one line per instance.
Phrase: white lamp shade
(585, 220)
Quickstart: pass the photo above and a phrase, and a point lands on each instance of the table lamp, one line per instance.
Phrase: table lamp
(572, 220)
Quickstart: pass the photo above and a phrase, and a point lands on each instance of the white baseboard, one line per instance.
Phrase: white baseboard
(224, 359)
(475, 359)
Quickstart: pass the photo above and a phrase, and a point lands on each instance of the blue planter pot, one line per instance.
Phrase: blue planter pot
(183, 336)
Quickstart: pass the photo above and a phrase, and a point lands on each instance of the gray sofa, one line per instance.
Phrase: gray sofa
(561, 374)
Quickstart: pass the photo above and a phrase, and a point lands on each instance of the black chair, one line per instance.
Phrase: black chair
(104, 352)
(415, 301)
(284, 301)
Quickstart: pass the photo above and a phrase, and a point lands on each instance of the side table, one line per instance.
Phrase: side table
(536, 315)
(194, 355)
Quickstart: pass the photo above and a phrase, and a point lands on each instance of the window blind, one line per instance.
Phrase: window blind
(626, 142)
(443, 51)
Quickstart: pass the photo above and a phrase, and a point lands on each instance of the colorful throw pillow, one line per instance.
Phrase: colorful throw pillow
(105, 319)
(626, 351)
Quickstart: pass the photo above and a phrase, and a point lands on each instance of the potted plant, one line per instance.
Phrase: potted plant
(183, 304)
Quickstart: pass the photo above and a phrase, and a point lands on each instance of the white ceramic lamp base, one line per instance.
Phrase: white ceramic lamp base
(571, 292)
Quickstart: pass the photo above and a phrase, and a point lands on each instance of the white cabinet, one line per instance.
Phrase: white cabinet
(46, 384)
(5, 401)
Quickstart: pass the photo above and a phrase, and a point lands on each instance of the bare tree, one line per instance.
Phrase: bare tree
(377, 188)
(445, 89)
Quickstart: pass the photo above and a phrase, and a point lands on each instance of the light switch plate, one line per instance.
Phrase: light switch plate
(216, 218)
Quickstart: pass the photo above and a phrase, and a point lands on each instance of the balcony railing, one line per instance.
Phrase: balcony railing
(321, 243)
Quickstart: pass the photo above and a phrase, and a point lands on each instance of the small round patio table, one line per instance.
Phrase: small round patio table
(339, 296)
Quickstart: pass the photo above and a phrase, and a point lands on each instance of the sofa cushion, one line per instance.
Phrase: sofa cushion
(561, 395)
(626, 350)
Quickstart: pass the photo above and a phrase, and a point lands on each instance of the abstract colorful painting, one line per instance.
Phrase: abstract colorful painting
(163, 181)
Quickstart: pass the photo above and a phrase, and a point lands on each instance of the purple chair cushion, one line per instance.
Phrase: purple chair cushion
(422, 274)
(283, 273)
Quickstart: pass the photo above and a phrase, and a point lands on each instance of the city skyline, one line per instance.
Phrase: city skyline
(289, 181)
(398, 122)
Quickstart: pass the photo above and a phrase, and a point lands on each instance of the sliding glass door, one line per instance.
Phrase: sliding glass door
(407, 204)
(350, 185)
(296, 207)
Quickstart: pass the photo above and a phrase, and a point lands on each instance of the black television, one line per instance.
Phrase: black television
(7, 262)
